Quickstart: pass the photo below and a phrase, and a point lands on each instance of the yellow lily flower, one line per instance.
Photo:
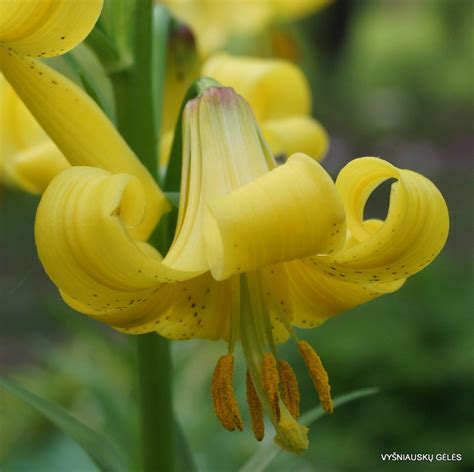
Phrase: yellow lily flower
(28, 158)
(214, 21)
(285, 118)
(39, 28)
(259, 248)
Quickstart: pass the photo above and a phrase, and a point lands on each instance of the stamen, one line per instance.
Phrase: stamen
(289, 388)
(235, 315)
(223, 397)
(318, 375)
(270, 380)
(256, 409)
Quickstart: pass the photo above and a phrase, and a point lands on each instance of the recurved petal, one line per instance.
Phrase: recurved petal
(197, 308)
(412, 235)
(80, 129)
(313, 296)
(46, 27)
(296, 134)
(264, 83)
(82, 232)
(288, 213)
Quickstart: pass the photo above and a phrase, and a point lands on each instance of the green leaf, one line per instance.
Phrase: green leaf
(99, 448)
(103, 46)
(183, 453)
(173, 198)
(93, 77)
(112, 36)
(267, 454)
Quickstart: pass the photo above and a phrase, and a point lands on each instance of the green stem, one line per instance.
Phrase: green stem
(137, 115)
(141, 126)
(161, 32)
(157, 422)
(139, 93)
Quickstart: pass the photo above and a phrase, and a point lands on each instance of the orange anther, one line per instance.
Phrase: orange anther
(318, 375)
(223, 397)
(289, 388)
(270, 380)
(256, 409)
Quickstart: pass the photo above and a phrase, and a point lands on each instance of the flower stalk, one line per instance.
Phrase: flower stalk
(156, 415)
(153, 351)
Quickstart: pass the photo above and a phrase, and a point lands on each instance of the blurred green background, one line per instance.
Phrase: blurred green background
(390, 78)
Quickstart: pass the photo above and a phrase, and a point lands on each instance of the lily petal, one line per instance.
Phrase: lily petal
(198, 308)
(106, 273)
(305, 294)
(79, 128)
(291, 212)
(314, 296)
(29, 159)
(411, 236)
(33, 169)
(46, 27)
(296, 134)
(213, 167)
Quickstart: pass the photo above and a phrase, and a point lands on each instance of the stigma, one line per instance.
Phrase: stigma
(271, 383)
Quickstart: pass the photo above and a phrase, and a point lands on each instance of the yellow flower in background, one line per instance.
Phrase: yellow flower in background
(278, 93)
(67, 114)
(28, 158)
(280, 97)
(259, 248)
(215, 21)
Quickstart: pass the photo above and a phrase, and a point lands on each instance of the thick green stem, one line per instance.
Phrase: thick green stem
(141, 126)
(157, 422)
(134, 89)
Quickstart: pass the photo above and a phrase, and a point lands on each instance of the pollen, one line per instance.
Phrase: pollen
(256, 409)
(223, 396)
(289, 388)
(271, 379)
(318, 375)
